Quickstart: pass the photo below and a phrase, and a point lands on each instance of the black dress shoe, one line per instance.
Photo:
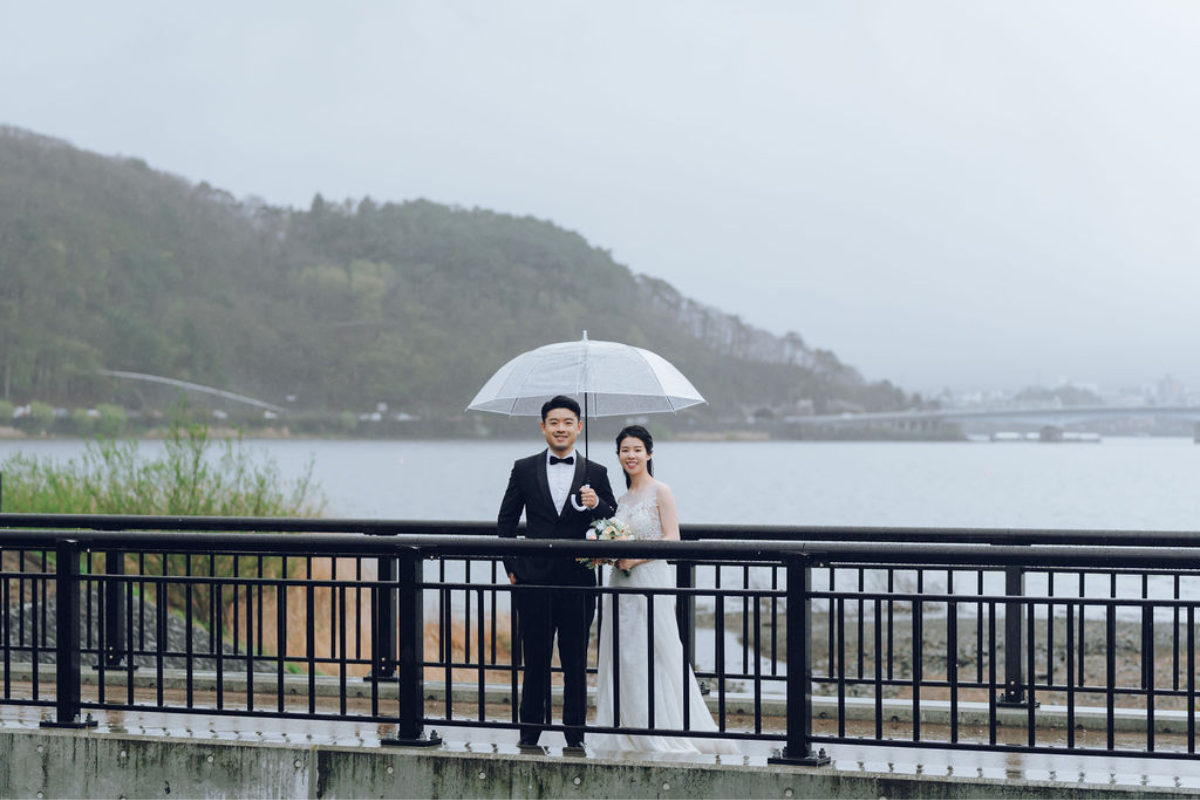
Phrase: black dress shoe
(575, 743)
(527, 741)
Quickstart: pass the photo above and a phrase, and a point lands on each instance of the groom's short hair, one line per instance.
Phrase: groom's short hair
(562, 401)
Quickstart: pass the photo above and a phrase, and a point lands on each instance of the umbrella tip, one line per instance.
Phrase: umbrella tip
(585, 336)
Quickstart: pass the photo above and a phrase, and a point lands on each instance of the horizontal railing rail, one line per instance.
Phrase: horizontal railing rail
(924, 644)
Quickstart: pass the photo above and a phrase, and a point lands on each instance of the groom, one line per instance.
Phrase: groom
(542, 485)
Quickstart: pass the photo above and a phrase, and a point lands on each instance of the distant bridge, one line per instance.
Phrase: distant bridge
(1051, 420)
(191, 387)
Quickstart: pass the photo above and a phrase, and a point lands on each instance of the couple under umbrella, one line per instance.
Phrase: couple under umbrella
(561, 495)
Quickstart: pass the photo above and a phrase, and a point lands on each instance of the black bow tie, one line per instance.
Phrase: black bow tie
(556, 460)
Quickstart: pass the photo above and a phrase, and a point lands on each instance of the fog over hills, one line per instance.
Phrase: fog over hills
(109, 264)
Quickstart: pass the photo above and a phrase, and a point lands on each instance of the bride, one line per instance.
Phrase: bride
(649, 510)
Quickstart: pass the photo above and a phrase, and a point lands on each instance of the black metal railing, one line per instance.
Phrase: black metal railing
(805, 637)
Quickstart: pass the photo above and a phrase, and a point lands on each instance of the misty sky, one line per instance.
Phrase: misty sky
(984, 194)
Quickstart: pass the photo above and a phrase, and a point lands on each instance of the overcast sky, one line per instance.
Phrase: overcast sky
(983, 194)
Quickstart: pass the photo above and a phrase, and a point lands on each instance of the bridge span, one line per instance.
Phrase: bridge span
(1052, 421)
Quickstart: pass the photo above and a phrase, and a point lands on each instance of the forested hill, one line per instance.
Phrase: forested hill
(108, 264)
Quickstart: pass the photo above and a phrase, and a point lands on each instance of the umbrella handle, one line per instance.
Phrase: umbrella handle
(578, 505)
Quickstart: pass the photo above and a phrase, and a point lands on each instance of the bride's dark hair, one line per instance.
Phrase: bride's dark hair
(637, 432)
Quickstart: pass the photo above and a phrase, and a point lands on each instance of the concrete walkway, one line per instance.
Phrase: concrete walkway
(856, 771)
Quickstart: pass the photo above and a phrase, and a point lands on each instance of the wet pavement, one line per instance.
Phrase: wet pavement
(1068, 770)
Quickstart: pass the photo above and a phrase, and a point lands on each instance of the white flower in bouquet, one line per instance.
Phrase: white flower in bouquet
(605, 530)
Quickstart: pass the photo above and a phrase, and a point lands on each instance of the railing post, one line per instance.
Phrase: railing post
(685, 609)
(383, 623)
(411, 689)
(798, 750)
(1014, 675)
(114, 612)
(67, 640)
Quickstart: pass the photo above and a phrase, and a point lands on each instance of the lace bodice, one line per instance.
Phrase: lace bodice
(640, 513)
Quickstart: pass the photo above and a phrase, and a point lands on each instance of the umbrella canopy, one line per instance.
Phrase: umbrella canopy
(609, 379)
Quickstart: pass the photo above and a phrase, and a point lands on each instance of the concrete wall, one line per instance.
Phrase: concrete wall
(41, 763)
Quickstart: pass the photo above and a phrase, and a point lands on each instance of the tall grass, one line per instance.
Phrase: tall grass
(194, 476)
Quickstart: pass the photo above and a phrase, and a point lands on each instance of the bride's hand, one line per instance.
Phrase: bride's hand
(628, 563)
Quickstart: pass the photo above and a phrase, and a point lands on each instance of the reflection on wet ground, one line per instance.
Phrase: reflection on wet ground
(1068, 769)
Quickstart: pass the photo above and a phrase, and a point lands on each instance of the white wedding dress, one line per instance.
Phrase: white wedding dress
(671, 687)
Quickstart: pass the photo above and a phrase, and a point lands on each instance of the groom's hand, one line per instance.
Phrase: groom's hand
(512, 578)
(587, 496)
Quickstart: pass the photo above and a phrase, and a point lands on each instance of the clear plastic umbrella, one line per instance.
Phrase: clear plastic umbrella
(609, 379)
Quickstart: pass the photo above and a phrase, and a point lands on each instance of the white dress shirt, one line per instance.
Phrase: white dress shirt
(560, 477)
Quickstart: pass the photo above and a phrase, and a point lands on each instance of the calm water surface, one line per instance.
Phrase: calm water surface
(1143, 484)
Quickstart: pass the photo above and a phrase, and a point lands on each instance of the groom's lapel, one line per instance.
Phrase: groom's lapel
(544, 483)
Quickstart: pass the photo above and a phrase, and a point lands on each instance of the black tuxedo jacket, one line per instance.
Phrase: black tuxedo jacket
(529, 491)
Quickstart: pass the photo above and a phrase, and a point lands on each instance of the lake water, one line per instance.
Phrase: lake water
(1122, 483)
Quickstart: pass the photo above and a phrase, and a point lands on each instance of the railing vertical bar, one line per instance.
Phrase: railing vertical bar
(991, 607)
(686, 634)
(831, 627)
(758, 678)
(237, 611)
(358, 604)
(878, 618)
(616, 656)
(1050, 633)
(1071, 675)
(495, 610)
(979, 631)
(650, 658)
(775, 622)
(861, 622)
(841, 666)
(189, 665)
(1082, 678)
(310, 638)
(341, 649)
(129, 665)
(482, 651)
(1191, 678)
(218, 592)
(6, 621)
(467, 613)
(250, 639)
(447, 643)
(34, 628)
(745, 620)
(211, 588)
(101, 637)
(1175, 636)
(1031, 668)
(261, 629)
(918, 662)
(952, 663)
(1110, 678)
(281, 643)
(1147, 635)
(891, 612)
(1148, 659)
(160, 633)
(720, 628)
(516, 658)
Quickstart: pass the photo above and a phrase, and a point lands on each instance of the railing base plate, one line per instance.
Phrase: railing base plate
(87, 723)
(810, 759)
(422, 741)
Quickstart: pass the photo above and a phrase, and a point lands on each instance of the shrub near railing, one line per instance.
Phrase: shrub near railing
(196, 475)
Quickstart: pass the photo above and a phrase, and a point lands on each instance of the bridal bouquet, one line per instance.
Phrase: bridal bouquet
(602, 530)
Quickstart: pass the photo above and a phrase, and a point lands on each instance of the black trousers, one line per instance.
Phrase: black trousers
(543, 613)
